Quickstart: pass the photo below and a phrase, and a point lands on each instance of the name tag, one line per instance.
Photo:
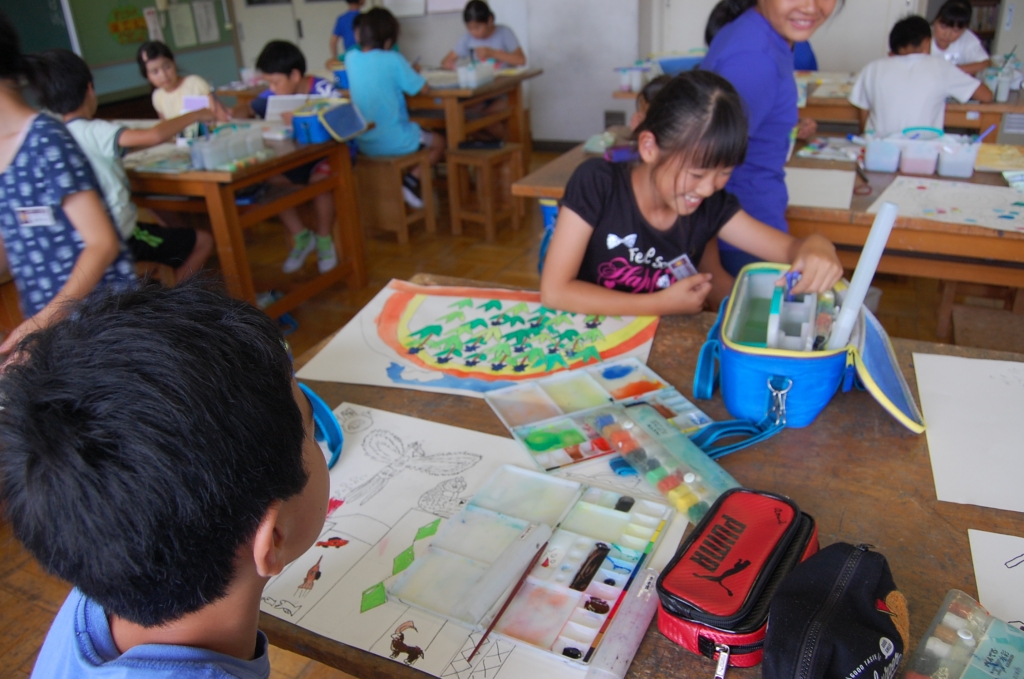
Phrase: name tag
(682, 267)
(35, 216)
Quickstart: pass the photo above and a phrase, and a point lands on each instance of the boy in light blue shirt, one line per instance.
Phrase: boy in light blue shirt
(157, 454)
(378, 81)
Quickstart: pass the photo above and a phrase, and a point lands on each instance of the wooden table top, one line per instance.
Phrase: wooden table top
(285, 151)
(549, 181)
(500, 84)
(862, 476)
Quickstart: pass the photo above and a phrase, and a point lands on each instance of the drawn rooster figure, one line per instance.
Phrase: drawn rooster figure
(398, 645)
(388, 449)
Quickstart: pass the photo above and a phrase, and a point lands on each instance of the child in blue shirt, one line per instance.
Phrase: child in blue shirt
(283, 67)
(343, 32)
(158, 455)
(379, 79)
(58, 241)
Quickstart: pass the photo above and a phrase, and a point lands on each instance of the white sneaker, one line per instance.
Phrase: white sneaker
(326, 261)
(297, 257)
(411, 199)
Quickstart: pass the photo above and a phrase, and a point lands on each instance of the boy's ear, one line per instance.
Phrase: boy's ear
(294, 76)
(268, 543)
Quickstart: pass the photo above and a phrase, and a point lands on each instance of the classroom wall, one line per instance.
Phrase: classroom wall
(858, 33)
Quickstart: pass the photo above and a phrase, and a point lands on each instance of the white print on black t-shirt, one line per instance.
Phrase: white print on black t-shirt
(613, 241)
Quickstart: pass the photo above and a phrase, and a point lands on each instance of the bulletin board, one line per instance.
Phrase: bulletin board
(110, 31)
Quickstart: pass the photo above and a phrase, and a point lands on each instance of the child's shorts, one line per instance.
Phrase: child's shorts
(303, 174)
(163, 245)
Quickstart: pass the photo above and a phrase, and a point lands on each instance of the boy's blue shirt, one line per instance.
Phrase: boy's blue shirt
(751, 55)
(79, 646)
(343, 29)
(378, 82)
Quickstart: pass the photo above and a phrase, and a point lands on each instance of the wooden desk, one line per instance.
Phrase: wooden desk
(862, 476)
(973, 115)
(549, 181)
(242, 96)
(454, 102)
(214, 193)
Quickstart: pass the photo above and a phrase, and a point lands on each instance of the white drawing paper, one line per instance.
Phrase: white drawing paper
(995, 207)
(182, 27)
(999, 571)
(467, 341)
(285, 103)
(397, 480)
(820, 188)
(206, 21)
(973, 409)
(153, 24)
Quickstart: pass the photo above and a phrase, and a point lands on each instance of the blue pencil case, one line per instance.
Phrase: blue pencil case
(771, 379)
(321, 121)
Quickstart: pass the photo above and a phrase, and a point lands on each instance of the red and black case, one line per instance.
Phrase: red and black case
(715, 591)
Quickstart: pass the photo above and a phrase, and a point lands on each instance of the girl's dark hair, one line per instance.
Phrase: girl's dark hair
(651, 89)
(150, 50)
(727, 11)
(477, 11)
(377, 28)
(12, 65)
(698, 115)
(955, 13)
(60, 78)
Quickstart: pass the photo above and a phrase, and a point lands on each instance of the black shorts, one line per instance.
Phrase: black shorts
(155, 243)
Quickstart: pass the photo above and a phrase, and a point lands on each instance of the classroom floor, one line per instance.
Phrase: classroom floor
(29, 598)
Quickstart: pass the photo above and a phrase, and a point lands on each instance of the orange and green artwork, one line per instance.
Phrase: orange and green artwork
(470, 340)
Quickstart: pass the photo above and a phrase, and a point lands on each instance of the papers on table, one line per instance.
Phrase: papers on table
(999, 570)
(286, 103)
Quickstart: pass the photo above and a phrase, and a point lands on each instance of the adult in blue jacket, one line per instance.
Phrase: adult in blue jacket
(751, 46)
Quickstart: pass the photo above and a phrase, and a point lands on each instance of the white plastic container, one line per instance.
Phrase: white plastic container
(957, 160)
(919, 157)
(882, 156)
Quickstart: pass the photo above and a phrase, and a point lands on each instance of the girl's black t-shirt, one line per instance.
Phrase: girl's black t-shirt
(625, 252)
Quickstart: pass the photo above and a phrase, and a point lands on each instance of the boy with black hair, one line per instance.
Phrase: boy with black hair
(909, 88)
(954, 42)
(343, 30)
(379, 78)
(156, 452)
(283, 66)
(65, 87)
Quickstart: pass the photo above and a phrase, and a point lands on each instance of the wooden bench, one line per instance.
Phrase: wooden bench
(381, 205)
(491, 200)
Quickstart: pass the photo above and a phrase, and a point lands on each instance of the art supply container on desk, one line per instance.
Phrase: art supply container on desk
(957, 157)
(769, 388)
(882, 155)
(964, 641)
(919, 157)
(549, 212)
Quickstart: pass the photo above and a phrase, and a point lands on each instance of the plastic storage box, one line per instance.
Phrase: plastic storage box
(964, 641)
(957, 159)
(882, 156)
(919, 157)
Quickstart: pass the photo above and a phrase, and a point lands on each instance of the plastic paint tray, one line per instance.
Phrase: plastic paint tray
(601, 541)
(547, 416)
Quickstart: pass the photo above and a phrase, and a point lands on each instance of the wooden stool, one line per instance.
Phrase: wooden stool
(986, 328)
(379, 184)
(1012, 299)
(492, 201)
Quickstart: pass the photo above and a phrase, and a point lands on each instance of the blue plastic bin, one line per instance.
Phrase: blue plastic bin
(677, 64)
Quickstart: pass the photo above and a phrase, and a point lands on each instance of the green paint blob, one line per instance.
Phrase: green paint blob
(373, 597)
(542, 441)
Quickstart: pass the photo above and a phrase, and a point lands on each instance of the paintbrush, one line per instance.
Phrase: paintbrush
(515, 590)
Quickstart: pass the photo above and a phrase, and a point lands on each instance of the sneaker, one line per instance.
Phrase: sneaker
(302, 250)
(326, 257)
(411, 191)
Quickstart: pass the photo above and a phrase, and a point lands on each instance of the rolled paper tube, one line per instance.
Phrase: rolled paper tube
(866, 266)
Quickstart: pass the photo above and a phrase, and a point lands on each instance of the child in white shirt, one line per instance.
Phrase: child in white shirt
(909, 87)
(953, 42)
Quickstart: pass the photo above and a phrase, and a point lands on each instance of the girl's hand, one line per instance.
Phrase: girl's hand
(19, 333)
(806, 128)
(818, 264)
(686, 296)
(221, 112)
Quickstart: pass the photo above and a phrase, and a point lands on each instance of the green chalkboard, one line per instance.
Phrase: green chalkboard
(110, 31)
(40, 24)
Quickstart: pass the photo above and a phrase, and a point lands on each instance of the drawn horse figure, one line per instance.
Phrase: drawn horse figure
(398, 645)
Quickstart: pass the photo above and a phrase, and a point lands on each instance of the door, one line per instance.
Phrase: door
(315, 19)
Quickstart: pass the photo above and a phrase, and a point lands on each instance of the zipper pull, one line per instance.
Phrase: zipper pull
(723, 660)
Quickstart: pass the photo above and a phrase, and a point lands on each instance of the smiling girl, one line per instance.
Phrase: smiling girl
(622, 223)
(156, 62)
(751, 46)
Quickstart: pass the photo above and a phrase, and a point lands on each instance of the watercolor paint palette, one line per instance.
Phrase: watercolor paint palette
(548, 415)
(597, 541)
